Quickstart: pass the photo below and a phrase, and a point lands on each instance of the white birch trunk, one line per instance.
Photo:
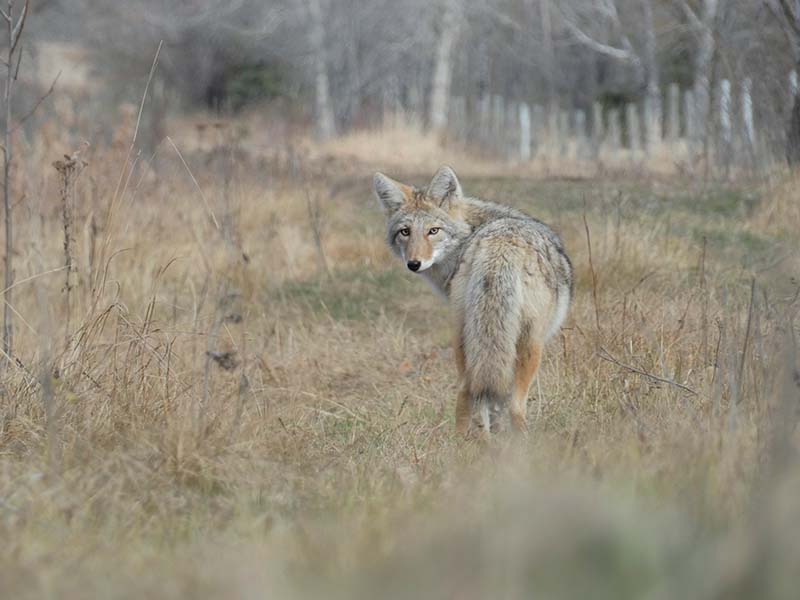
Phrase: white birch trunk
(725, 104)
(652, 104)
(702, 68)
(725, 122)
(443, 65)
(747, 115)
(325, 123)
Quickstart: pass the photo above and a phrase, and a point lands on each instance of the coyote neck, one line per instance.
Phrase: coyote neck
(440, 274)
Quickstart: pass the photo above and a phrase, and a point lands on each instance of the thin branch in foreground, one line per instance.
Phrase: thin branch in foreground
(591, 269)
(36, 106)
(606, 355)
(792, 19)
(747, 333)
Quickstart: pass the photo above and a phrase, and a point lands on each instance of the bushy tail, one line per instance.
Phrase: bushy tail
(493, 315)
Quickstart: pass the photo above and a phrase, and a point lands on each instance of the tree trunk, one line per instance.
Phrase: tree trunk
(548, 56)
(325, 124)
(443, 67)
(702, 67)
(653, 91)
(793, 135)
(793, 138)
(8, 278)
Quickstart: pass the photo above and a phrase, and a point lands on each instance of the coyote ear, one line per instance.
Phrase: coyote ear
(389, 192)
(444, 188)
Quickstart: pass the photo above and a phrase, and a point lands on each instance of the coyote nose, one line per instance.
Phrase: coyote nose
(414, 265)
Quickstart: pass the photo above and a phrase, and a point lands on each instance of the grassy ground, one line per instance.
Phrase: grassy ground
(227, 408)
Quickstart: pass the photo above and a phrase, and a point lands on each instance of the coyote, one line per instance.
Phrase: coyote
(506, 276)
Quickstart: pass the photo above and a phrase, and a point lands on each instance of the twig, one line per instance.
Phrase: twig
(315, 220)
(594, 276)
(746, 334)
(32, 277)
(16, 33)
(36, 106)
(606, 355)
(196, 184)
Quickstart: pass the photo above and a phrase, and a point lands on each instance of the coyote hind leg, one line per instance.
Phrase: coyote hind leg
(464, 400)
(529, 357)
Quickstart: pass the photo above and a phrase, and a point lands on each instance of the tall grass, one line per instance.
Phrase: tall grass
(228, 420)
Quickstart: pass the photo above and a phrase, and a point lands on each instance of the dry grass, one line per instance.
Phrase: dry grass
(227, 421)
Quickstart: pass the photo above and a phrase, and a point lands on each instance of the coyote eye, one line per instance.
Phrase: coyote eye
(433, 230)
(405, 232)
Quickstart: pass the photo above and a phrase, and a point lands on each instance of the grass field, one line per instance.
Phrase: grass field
(221, 406)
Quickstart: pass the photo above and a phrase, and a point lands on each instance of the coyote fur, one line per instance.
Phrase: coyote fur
(506, 276)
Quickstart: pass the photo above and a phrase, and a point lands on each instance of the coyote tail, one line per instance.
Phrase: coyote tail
(492, 326)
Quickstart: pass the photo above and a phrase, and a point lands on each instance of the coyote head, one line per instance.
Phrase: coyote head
(423, 226)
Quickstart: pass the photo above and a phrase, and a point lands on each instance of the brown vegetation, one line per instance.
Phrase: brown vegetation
(227, 420)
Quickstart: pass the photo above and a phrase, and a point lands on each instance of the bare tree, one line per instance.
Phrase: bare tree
(326, 126)
(704, 27)
(548, 53)
(791, 21)
(443, 65)
(580, 21)
(652, 79)
(15, 25)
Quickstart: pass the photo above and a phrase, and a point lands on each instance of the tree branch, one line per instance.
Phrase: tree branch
(599, 47)
(791, 17)
(41, 99)
(17, 31)
(608, 9)
(606, 355)
(19, 62)
(691, 16)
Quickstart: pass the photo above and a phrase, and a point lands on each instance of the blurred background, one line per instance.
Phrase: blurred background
(678, 84)
(217, 382)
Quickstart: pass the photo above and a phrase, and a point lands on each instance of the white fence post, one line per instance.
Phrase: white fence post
(498, 118)
(690, 115)
(652, 122)
(673, 114)
(598, 131)
(563, 131)
(484, 117)
(580, 133)
(634, 129)
(524, 132)
(539, 127)
(614, 136)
